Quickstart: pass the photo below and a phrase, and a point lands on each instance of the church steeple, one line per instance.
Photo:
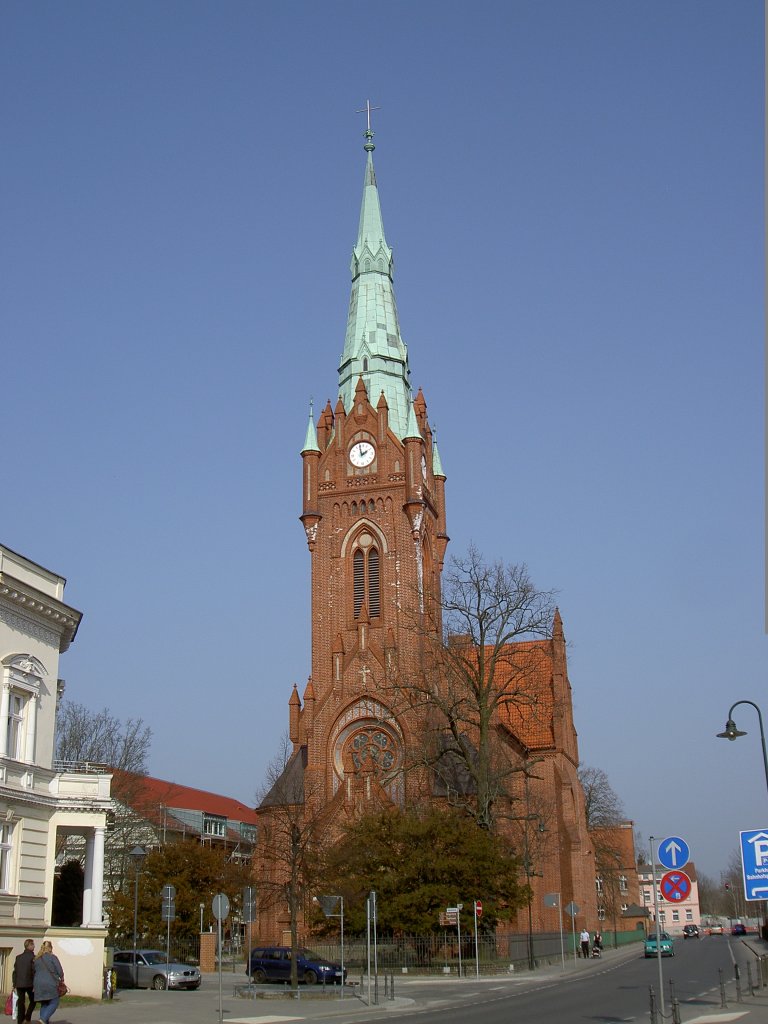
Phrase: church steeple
(373, 348)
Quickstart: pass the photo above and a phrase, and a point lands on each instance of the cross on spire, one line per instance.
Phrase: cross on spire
(368, 147)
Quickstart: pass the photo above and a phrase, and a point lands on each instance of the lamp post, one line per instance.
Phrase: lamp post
(732, 733)
(137, 855)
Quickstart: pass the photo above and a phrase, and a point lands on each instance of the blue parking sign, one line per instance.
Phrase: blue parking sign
(754, 862)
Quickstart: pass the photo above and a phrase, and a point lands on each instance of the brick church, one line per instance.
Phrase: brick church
(374, 515)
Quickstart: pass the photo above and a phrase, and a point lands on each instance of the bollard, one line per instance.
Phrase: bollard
(723, 1003)
(752, 989)
(676, 1012)
(386, 986)
(737, 976)
(392, 985)
(654, 1017)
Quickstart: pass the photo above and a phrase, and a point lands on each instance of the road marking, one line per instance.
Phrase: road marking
(718, 1018)
(261, 1020)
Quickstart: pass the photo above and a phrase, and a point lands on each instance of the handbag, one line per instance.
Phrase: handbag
(62, 989)
(8, 1011)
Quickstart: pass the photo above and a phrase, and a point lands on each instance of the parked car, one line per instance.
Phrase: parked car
(691, 931)
(273, 963)
(666, 945)
(150, 970)
(739, 929)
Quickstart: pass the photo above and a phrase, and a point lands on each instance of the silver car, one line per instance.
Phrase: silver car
(149, 969)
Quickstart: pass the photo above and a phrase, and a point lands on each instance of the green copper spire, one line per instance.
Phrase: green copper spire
(373, 348)
(310, 441)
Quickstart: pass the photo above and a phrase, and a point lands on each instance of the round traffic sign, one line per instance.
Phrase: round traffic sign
(675, 886)
(674, 853)
(478, 908)
(220, 906)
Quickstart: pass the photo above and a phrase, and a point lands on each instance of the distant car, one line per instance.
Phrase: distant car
(691, 931)
(150, 970)
(666, 945)
(739, 929)
(273, 963)
(715, 929)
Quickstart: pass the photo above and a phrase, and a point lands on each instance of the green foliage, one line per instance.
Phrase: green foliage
(198, 873)
(419, 863)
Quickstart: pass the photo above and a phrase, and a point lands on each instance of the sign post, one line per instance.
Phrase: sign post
(220, 908)
(552, 899)
(478, 907)
(573, 909)
(168, 914)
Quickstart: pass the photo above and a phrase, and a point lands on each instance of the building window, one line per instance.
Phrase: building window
(689, 915)
(599, 884)
(663, 916)
(248, 832)
(213, 825)
(6, 848)
(624, 907)
(646, 896)
(600, 914)
(623, 886)
(366, 582)
(14, 743)
(675, 915)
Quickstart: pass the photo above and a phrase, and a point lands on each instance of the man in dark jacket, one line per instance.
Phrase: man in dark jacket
(23, 981)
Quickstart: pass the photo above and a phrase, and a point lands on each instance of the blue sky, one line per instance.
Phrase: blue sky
(573, 191)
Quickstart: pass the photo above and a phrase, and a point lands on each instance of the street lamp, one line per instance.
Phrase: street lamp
(137, 855)
(732, 733)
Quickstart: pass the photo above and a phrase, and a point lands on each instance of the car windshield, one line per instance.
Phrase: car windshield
(310, 954)
(154, 956)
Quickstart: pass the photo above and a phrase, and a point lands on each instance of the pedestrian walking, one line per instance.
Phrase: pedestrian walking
(584, 939)
(49, 981)
(23, 981)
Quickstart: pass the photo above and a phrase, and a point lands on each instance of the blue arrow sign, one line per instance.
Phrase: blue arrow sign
(674, 852)
(754, 862)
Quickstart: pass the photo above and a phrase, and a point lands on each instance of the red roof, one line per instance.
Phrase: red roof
(146, 794)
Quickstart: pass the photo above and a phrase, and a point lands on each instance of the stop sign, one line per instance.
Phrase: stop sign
(478, 908)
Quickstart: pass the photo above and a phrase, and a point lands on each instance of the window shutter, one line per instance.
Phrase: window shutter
(374, 602)
(358, 565)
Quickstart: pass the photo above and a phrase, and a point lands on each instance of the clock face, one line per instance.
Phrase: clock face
(361, 454)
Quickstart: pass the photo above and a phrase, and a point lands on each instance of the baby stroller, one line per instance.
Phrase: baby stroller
(597, 947)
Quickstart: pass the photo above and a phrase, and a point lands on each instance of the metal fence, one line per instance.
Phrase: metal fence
(439, 953)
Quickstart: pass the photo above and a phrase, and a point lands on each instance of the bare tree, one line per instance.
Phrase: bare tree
(291, 829)
(602, 804)
(478, 673)
(100, 738)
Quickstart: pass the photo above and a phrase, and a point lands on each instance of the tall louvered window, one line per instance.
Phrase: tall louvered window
(374, 603)
(365, 581)
(359, 580)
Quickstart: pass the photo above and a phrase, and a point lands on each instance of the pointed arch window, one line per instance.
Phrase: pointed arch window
(366, 584)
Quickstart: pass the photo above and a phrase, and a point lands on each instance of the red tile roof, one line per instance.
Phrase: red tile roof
(145, 793)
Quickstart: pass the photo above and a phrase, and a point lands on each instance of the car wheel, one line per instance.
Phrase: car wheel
(310, 977)
(159, 982)
(259, 976)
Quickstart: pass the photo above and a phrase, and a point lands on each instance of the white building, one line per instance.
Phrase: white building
(38, 805)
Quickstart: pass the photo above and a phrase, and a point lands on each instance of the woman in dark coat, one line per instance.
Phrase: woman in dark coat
(48, 974)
